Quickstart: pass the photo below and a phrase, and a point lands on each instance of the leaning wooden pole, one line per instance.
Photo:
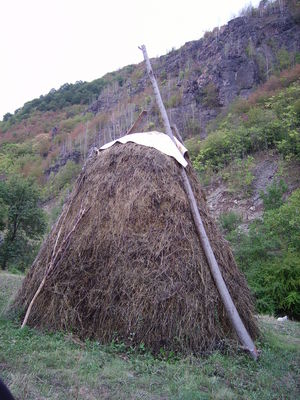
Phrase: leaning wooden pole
(231, 310)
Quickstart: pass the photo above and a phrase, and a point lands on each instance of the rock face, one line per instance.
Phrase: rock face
(221, 199)
(205, 75)
(74, 156)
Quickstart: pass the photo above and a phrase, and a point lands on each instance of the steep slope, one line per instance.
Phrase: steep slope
(197, 82)
(253, 145)
(204, 76)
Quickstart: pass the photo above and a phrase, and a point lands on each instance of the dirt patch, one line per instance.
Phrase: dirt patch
(268, 167)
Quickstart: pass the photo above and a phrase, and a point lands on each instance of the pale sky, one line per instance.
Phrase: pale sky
(46, 43)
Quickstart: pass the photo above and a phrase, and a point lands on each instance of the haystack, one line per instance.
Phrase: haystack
(133, 268)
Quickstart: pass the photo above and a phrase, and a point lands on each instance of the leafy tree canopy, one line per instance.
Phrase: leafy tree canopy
(21, 220)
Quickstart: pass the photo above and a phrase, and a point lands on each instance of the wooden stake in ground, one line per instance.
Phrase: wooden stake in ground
(231, 310)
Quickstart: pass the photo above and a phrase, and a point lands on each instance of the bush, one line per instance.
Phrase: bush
(239, 176)
(192, 128)
(174, 100)
(269, 254)
(22, 221)
(193, 146)
(272, 124)
(65, 176)
(229, 221)
(210, 96)
(272, 198)
(283, 59)
(275, 284)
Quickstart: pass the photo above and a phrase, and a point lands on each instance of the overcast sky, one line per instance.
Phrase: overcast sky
(46, 43)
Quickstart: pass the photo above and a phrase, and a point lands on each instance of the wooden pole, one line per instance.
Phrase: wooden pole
(136, 123)
(231, 310)
(54, 260)
(177, 134)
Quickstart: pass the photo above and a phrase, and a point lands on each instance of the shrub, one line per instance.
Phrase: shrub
(174, 100)
(272, 124)
(210, 96)
(240, 176)
(22, 221)
(66, 175)
(272, 198)
(283, 59)
(193, 146)
(269, 254)
(229, 221)
(192, 127)
(276, 285)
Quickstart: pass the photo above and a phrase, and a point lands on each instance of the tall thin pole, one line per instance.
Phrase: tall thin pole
(231, 310)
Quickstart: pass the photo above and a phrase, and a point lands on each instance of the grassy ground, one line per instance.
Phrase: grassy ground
(58, 366)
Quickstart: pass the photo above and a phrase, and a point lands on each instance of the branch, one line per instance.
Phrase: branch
(54, 261)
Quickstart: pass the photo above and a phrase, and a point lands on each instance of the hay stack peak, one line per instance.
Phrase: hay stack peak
(134, 267)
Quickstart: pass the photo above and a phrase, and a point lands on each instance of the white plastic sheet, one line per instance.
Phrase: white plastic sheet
(157, 140)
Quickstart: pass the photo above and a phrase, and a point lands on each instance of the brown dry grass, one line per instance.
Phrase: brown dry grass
(134, 268)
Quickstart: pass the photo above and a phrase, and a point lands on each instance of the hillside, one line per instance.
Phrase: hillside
(197, 82)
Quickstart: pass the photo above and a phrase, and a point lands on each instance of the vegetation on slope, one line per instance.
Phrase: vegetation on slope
(67, 95)
(269, 119)
(268, 252)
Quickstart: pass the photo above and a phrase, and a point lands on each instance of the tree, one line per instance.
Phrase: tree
(7, 117)
(21, 220)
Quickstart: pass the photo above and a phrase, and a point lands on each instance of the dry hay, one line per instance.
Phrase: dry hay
(134, 268)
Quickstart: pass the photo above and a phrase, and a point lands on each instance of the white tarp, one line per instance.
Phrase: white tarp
(157, 140)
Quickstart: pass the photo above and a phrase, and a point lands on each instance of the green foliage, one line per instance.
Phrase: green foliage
(283, 59)
(273, 199)
(63, 179)
(209, 96)
(192, 128)
(239, 176)
(276, 284)
(229, 221)
(193, 146)
(67, 95)
(181, 75)
(69, 124)
(269, 253)
(163, 76)
(174, 100)
(250, 49)
(20, 159)
(222, 147)
(274, 123)
(284, 223)
(7, 117)
(22, 221)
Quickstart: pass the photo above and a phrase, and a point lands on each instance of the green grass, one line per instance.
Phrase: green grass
(39, 365)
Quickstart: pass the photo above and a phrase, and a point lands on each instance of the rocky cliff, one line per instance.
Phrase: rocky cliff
(204, 76)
